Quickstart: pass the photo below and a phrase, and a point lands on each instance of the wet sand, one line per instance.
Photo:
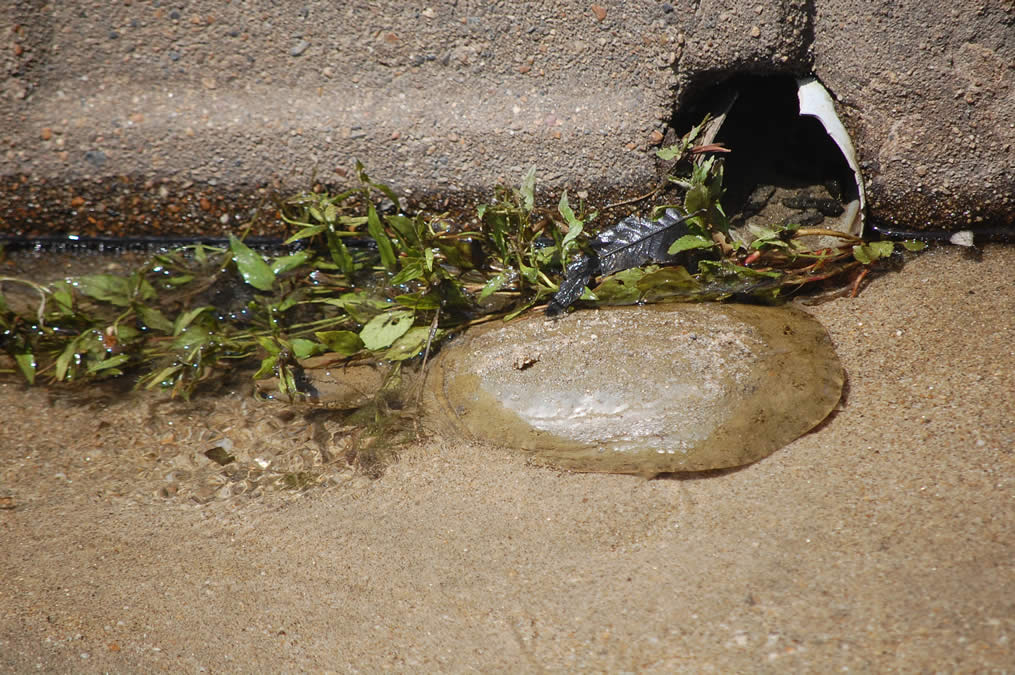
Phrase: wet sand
(883, 540)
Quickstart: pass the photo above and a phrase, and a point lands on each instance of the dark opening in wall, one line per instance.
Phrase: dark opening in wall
(783, 167)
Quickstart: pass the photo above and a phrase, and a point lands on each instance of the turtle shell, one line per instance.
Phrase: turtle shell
(644, 390)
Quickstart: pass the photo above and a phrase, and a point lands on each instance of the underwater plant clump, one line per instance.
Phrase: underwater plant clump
(362, 281)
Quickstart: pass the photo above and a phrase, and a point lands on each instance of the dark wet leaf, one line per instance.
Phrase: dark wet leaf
(219, 455)
(636, 241)
(632, 242)
(578, 275)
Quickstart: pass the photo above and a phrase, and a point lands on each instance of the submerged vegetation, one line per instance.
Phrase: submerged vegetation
(364, 281)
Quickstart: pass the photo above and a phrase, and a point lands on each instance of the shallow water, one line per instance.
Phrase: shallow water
(145, 446)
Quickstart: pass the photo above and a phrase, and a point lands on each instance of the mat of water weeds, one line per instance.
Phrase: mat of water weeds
(365, 284)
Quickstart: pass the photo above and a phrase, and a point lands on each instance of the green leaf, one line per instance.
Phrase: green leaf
(407, 230)
(105, 288)
(384, 329)
(287, 262)
(723, 269)
(418, 301)
(26, 363)
(306, 233)
(519, 310)
(620, 288)
(343, 342)
(63, 298)
(340, 254)
(63, 361)
(383, 243)
(528, 190)
(360, 305)
(178, 280)
(125, 333)
(689, 242)
(666, 283)
(671, 152)
(270, 345)
(914, 245)
(413, 270)
(111, 364)
(251, 265)
(574, 226)
(184, 320)
(162, 378)
(565, 210)
(495, 284)
(154, 319)
(676, 151)
(411, 344)
(696, 199)
(351, 224)
(267, 368)
(387, 192)
(883, 249)
(303, 348)
(871, 251)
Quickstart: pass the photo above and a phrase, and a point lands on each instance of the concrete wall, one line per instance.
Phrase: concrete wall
(182, 116)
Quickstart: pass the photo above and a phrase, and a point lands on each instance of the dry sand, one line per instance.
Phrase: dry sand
(882, 541)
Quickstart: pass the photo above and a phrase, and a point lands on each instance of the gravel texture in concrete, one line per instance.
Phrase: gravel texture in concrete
(182, 118)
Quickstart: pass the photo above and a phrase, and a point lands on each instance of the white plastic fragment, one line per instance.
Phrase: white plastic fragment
(815, 101)
(962, 238)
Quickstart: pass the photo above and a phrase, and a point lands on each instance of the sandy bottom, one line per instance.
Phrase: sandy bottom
(883, 540)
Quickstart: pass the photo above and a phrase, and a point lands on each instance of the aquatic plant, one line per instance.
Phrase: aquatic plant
(365, 280)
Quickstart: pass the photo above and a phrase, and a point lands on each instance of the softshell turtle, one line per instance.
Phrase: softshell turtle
(643, 390)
